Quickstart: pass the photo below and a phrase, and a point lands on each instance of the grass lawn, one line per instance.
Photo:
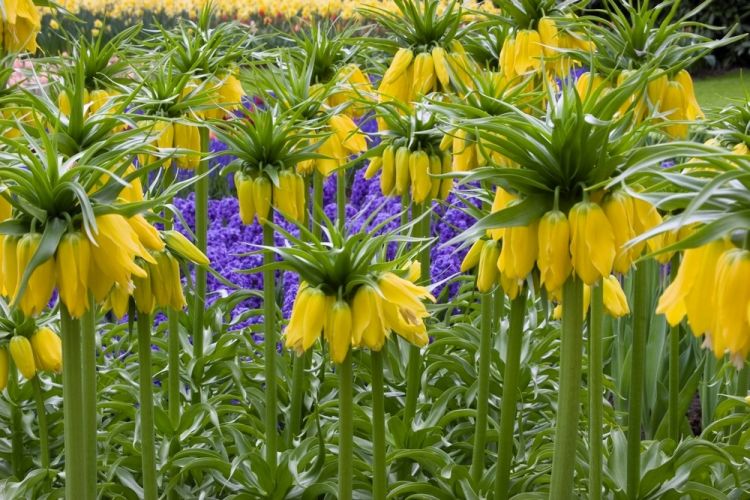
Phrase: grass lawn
(714, 92)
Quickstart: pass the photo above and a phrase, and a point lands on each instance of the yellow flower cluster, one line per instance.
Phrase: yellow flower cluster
(175, 135)
(238, 9)
(615, 302)
(225, 95)
(673, 100)
(42, 353)
(257, 194)
(524, 52)
(712, 291)
(411, 75)
(21, 21)
(344, 139)
(591, 240)
(92, 101)
(394, 304)
(469, 153)
(403, 169)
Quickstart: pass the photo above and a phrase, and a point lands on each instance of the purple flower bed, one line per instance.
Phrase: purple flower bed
(229, 239)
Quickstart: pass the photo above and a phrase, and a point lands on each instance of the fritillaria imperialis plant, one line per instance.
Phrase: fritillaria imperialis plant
(352, 296)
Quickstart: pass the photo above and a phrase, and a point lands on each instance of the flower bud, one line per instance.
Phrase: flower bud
(47, 350)
(23, 356)
(177, 242)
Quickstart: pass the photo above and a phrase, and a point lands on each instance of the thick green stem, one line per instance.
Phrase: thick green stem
(379, 473)
(483, 388)
(510, 395)
(741, 391)
(708, 390)
(414, 369)
(146, 386)
(88, 384)
(16, 418)
(300, 363)
(269, 344)
(75, 480)
(173, 356)
(201, 238)
(637, 376)
(596, 391)
(674, 368)
(568, 407)
(173, 374)
(346, 429)
(41, 418)
(498, 310)
(297, 394)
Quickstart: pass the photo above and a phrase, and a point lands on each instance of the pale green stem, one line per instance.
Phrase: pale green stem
(146, 386)
(346, 429)
(509, 396)
(41, 418)
(483, 388)
(173, 356)
(568, 403)
(414, 368)
(201, 237)
(75, 480)
(88, 383)
(637, 377)
(379, 471)
(674, 368)
(596, 390)
(297, 394)
(741, 391)
(16, 423)
(269, 344)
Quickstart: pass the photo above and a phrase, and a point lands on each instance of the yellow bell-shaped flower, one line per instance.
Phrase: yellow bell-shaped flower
(73, 262)
(41, 282)
(731, 328)
(338, 330)
(520, 250)
(592, 242)
(693, 290)
(554, 250)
